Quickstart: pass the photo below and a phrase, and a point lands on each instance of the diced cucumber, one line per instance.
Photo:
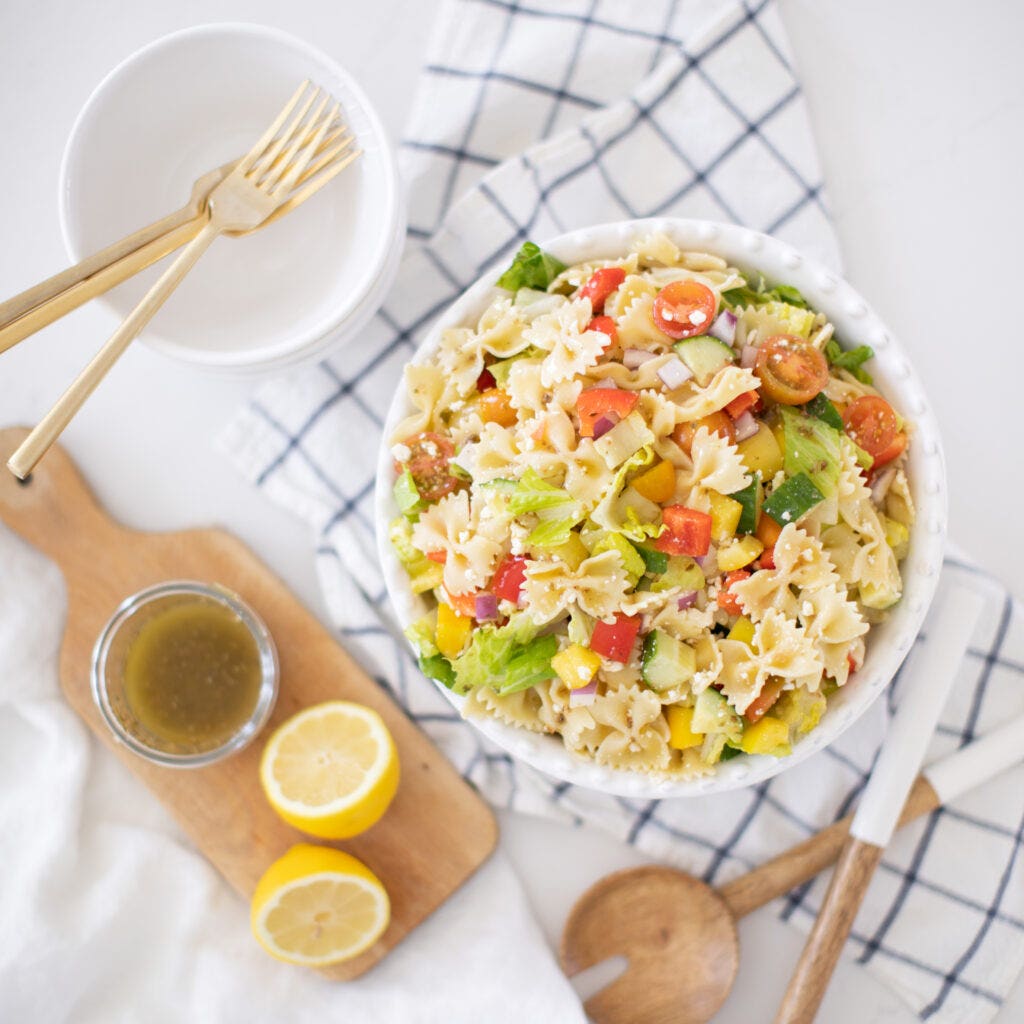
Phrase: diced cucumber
(796, 497)
(704, 356)
(750, 499)
(666, 661)
(823, 409)
(712, 715)
(681, 571)
(624, 440)
(656, 562)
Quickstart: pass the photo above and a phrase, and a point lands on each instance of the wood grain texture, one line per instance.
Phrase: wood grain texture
(807, 987)
(678, 936)
(437, 832)
(808, 859)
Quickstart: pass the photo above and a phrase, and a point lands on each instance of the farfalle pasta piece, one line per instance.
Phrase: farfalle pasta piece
(657, 249)
(521, 708)
(571, 348)
(637, 328)
(529, 393)
(780, 649)
(500, 330)
(683, 623)
(634, 287)
(425, 384)
(729, 383)
(832, 623)
(492, 456)
(717, 466)
(635, 730)
(471, 541)
(801, 562)
(579, 273)
(899, 504)
(597, 587)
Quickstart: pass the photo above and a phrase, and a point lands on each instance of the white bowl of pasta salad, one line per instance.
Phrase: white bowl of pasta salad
(661, 506)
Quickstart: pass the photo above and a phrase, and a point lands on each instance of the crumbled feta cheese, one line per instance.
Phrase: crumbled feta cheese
(697, 317)
(807, 608)
(401, 453)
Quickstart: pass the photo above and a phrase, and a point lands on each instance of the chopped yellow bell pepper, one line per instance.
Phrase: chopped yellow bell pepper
(897, 536)
(573, 552)
(725, 516)
(657, 484)
(576, 666)
(763, 451)
(767, 736)
(740, 553)
(453, 630)
(681, 734)
(742, 630)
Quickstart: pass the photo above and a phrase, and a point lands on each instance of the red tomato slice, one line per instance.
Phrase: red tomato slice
(601, 284)
(688, 532)
(595, 402)
(509, 578)
(898, 446)
(792, 371)
(726, 598)
(871, 422)
(486, 381)
(717, 423)
(684, 309)
(606, 325)
(464, 604)
(769, 694)
(614, 641)
(767, 559)
(428, 463)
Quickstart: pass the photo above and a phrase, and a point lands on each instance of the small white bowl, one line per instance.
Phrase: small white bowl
(190, 102)
(855, 323)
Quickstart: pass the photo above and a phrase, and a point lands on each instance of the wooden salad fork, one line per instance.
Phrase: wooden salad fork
(42, 304)
(285, 167)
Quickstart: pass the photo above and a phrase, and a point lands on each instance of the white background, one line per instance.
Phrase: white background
(918, 110)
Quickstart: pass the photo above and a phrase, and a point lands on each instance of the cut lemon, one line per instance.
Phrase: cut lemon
(331, 770)
(317, 906)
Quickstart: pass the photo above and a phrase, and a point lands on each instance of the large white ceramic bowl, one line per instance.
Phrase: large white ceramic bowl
(855, 323)
(186, 104)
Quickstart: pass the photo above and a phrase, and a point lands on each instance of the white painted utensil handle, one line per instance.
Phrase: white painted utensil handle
(934, 667)
(978, 762)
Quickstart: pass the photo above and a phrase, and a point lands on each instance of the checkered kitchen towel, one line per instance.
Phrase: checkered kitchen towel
(534, 119)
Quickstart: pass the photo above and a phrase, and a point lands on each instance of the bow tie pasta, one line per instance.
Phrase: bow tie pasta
(654, 507)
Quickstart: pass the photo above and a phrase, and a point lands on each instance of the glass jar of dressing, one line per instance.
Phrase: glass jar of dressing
(184, 673)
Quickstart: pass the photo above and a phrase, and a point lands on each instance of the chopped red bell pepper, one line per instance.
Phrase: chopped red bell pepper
(606, 325)
(597, 402)
(464, 604)
(508, 580)
(767, 558)
(726, 598)
(769, 694)
(615, 641)
(688, 532)
(485, 381)
(601, 284)
(741, 404)
(440, 556)
(851, 662)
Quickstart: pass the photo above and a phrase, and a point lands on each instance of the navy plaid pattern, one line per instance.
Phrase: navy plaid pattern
(533, 120)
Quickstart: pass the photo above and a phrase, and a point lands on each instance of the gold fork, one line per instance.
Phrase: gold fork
(38, 306)
(286, 166)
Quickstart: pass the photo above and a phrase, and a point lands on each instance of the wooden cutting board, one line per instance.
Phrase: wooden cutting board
(437, 831)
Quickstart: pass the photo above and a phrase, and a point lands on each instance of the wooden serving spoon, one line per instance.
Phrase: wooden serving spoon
(679, 934)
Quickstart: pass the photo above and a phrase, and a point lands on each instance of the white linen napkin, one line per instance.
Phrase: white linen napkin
(110, 915)
(534, 119)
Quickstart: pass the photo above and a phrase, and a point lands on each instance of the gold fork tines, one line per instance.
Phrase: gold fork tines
(305, 146)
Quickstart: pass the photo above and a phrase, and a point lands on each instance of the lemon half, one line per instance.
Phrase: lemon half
(331, 770)
(317, 906)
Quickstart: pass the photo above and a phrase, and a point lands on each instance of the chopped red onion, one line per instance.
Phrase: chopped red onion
(584, 695)
(748, 357)
(605, 423)
(486, 607)
(701, 560)
(674, 374)
(746, 426)
(724, 327)
(634, 358)
(605, 385)
(687, 600)
(881, 485)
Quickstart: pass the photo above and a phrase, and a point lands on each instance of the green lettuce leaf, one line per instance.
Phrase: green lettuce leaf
(531, 268)
(556, 509)
(747, 296)
(422, 635)
(852, 360)
(617, 511)
(507, 658)
(812, 448)
(438, 667)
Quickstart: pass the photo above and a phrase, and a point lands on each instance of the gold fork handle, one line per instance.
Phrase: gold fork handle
(32, 449)
(78, 284)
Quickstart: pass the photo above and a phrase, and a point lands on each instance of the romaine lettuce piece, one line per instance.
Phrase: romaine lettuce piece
(812, 448)
(851, 360)
(507, 658)
(531, 268)
(556, 509)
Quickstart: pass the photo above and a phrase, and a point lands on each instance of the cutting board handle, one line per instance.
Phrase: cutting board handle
(54, 510)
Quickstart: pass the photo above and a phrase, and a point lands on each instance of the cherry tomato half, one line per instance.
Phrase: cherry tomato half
(871, 422)
(601, 284)
(495, 406)
(683, 309)
(428, 463)
(606, 325)
(792, 371)
(717, 423)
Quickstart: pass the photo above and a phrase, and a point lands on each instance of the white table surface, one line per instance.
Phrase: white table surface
(918, 109)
